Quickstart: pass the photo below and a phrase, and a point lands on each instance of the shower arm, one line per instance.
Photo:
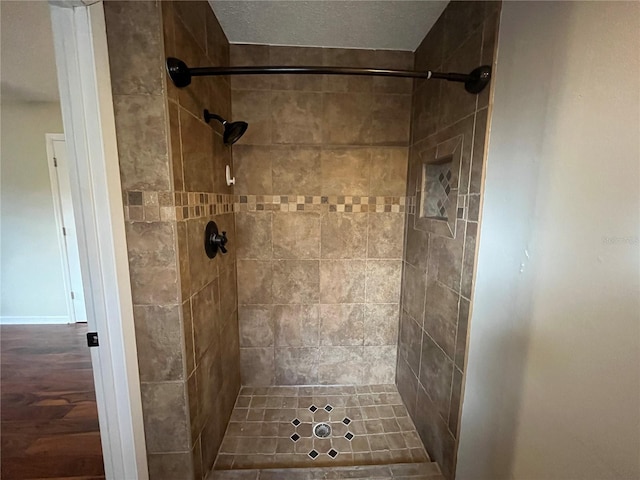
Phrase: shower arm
(181, 74)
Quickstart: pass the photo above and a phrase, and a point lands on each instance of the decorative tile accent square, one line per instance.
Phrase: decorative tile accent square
(346, 420)
(328, 408)
(313, 454)
(296, 422)
(332, 453)
(313, 408)
(295, 437)
(349, 436)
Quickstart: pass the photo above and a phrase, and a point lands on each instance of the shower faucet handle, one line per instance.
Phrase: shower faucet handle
(214, 241)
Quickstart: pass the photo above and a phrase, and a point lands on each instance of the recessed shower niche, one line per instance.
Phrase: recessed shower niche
(437, 188)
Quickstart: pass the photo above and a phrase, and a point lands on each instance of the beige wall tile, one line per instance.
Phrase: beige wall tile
(388, 171)
(159, 342)
(390, 119)
(296, 325)
(345, 171)
(253, 235)
(386, 235)
(342, 324)
(252, 169)
(253, 107)
(257, 366)
(441, 316)
(346, 118)
(296, 281)
(197, 153)
(383, 279)
(187, 333)
(296, 366)
(445, 258)
(344, 235)
(250, 55)
(413, 291)
(296, 235)
(228, 294)
(296, 117)
(381, 324)
(296, 170)
(175, 147)
(340, 365)
(256, 325)
(296, 56)
(165, 417)
(254, 282)
(379, 364)
(152, 263)
(342, 281)
(205, 312)
(142, 143)
(436, 374)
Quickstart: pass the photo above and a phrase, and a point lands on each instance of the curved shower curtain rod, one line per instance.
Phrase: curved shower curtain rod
(181, 74)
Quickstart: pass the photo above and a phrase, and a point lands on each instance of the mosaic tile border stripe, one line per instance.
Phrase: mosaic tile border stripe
(156, 206)
(322, 203)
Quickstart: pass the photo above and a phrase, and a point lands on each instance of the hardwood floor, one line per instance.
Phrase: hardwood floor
(49, 422)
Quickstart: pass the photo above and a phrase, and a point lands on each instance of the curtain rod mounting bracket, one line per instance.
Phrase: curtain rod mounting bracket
(181, 74)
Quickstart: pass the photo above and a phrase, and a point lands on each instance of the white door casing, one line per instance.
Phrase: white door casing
(84, 81)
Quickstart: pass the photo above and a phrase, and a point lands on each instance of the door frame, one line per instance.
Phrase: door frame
(84, 82)
(58, 211)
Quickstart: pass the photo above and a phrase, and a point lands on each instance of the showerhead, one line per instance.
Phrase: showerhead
(232, 130)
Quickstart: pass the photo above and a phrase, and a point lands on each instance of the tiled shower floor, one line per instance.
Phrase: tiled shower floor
(273, 427)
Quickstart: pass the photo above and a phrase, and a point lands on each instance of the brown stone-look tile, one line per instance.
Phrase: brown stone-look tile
(388, 171)
(461, 335)
(381, 324)
(169, 466)
(228, 293)
(296, 56)
(461, 20)
(252, 169)
(193, 15)
(254, 282)
(347, 57)
(435, 434)
(345, 171)
(346, 118)
(175, 147)
(417, 245)
(445, 258)
(296, 117)
(396, 59)
(436, 374)
(152, 263)
(453, 105)
(426, 104)
(456, 396)
(390, 119)
(159, 342)
(479, 145)
(383, 280)
(257, 366)
(296, 236)
(202, 269)
(344, 235)
(441, 316)
(342, 281)
(340, 365)
(197, 153)
(134, 32)
(296, 169)
(407, 384)
(253, 240)
(296, 281)
(205, 312)
(468, 261)
(296, 366)
(217, 43)
(256, 325)
(253, 107)
(187, 332)
(165, 417)
(379, 363)
(410, 342)
(142, 143)
(342, 324)
(296, 325)
(386, 237)
(250, 55)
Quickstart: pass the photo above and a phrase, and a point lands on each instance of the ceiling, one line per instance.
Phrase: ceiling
(377, 24)
(27, 63)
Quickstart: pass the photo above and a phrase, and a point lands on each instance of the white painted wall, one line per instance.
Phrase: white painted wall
(30, 263)
(553, 377)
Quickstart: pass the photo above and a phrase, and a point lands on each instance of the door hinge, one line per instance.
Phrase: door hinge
(92, 339)
(55, 162)
(73, 296)
(64, 231)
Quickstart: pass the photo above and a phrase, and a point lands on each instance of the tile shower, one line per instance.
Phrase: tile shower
(352, 230)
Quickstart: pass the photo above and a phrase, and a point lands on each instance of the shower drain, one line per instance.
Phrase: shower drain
(322, 430)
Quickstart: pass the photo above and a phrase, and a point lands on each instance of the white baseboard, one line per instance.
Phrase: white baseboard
(39, 320)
